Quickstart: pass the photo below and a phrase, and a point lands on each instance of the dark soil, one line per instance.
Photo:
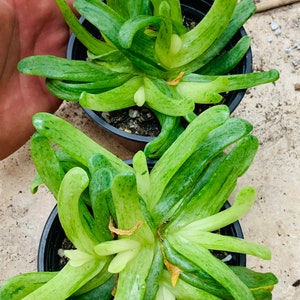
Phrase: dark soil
(66, 245)
(136, 120)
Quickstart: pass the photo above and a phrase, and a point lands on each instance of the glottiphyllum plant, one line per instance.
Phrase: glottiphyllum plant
(146, 56)
(141, 234)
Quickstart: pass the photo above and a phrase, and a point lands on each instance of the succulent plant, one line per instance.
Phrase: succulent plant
(146, 56)
(147, 234)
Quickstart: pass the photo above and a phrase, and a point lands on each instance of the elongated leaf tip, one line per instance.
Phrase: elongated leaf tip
(120, 261)
(246, 192)
(37, 120)
(275, 74)
(77, 257)
(116, 246)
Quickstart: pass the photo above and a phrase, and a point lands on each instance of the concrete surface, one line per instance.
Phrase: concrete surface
(274, 111)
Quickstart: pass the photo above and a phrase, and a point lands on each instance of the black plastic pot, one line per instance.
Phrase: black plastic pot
(194, 9)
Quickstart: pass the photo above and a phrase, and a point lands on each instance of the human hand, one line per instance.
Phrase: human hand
(27, 27)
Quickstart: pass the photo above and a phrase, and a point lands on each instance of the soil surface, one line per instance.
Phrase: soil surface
(273, 109)
(135, 120)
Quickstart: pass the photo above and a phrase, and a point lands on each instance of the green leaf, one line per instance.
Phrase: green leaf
(116, 246)
(171, 128)
(140, 166)
(115, 61)
(243, 11)
(99, 280)
(109, 23)
(64, 69)
(67, 281)
(89, 41)
(67, 161)
(260, 284)
(163, 43)
(114, 99)
(190, 174)
(248, 80)
(103, 291)
(226, 61)
(128, 207)
(103, 17)
(19, 286)
(212, 265)
(182, 290)
(204, 92)
(209, 197)
(101, 200)
(130, 8)
(235, 81)
(255, 280)
(159, 101)
(121, 260)
(46, 163)
(174, 157)
(214, 241)
(71, 91)
(79, 233)
(202, 36)
(133, 25)
(131, 281)
(157, 266)
(52, 164)
(72, 140)
(242, 204)
(36, 182)
(175, 9)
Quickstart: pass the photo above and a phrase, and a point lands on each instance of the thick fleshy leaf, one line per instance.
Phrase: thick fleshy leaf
(202, 36)
(114, 99)
(159, 101)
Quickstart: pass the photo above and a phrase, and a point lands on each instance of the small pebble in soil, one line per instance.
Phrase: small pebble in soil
(274, 25)
(289, 51)
(136, 120)
(297, 46)
(278, 31)
(295, 63)
(133, 113)
(270, 38)
(66, 245)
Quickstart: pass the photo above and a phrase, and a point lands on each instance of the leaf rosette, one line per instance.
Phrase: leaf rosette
(154, 229)
(145, 56)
